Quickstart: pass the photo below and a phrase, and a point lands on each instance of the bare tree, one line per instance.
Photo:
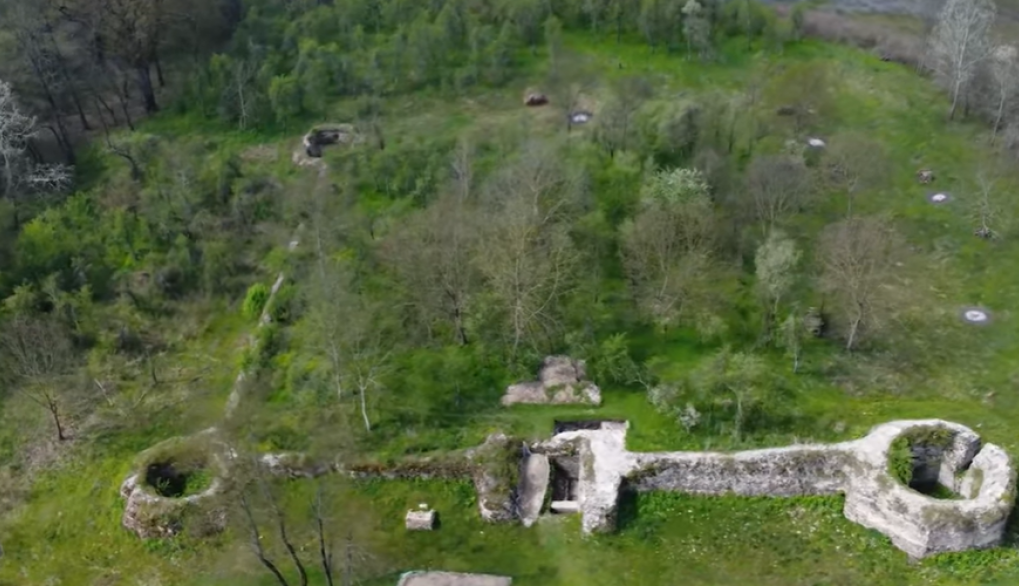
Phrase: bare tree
(779, 186)
(960, 41)
(988, 211)
(1004, 69)
(525, 252)
(432, 252)
(37, 355)
(858, 258)
(16, 130)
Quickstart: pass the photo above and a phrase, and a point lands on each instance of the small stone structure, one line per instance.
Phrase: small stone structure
(561, 379)
(420, 520)
(452, 579)
(157, 506)
(925, 176)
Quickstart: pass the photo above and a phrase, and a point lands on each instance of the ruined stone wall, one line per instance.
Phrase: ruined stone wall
(791, 471)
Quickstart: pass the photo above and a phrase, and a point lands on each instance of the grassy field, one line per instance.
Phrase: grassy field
(68, 531)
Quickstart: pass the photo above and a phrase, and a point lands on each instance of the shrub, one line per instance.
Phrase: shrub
(255, 300)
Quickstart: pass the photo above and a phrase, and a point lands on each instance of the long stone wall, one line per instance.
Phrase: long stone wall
(918, 524)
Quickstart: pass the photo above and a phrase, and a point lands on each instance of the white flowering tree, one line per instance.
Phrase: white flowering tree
(16, 128)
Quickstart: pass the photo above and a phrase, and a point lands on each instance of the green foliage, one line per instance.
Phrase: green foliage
(254, 301)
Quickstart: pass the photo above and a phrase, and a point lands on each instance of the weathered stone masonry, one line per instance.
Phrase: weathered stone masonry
(916, 523)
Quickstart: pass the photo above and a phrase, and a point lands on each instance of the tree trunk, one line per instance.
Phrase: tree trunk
(144, 76)
(323, 549)
(853, 331)
(54, 410)
(364, 409)
(997, 119)
(159, 71)
(123, 96)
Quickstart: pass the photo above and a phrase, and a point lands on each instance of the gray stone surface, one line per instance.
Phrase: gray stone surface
(421, 520)
(561, 379)
(452, 579)
(916, 523)
(533, 484)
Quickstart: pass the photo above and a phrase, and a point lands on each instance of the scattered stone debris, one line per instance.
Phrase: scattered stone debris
(925, 176)
(560, 380)
(977, 316)
(535, 99)
(452, 579)
(581, 117)
(420, 520)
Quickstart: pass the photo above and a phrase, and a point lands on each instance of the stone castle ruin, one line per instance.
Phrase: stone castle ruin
(599, 468)
(891, 478)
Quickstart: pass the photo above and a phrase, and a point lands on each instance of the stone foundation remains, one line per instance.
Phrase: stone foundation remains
(916, 523)
(452, 579)
(561, 379)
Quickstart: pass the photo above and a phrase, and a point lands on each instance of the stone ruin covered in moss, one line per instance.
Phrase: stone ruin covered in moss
(888, 479)
(178, 482)
(936, 452)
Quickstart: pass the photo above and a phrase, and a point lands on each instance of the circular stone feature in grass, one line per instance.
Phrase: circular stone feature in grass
(976, 315)
(581, 117)
(939, 198)
(176, 480)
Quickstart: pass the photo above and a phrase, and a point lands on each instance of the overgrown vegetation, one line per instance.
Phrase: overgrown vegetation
(729, 284)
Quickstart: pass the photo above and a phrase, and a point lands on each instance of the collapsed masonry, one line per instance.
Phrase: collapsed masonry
(588, 469)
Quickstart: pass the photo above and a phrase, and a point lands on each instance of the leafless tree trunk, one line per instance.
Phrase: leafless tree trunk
(959, 43)
(324, 548)
(255, 538)
(1004, 65)
(35, 355)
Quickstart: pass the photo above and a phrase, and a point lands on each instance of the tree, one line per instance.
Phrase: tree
(791, 334)
(734, 378)
(37, 356)
(696, 29)
(853, 163)
(987, 208)
(19, 171)
(775, 263)
(960, 41)
(805, 90)
(779, 185)
(1004, 68)
(858, 258)
(666, 246)
(432, 253)
(525, 252)
(616, 121)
